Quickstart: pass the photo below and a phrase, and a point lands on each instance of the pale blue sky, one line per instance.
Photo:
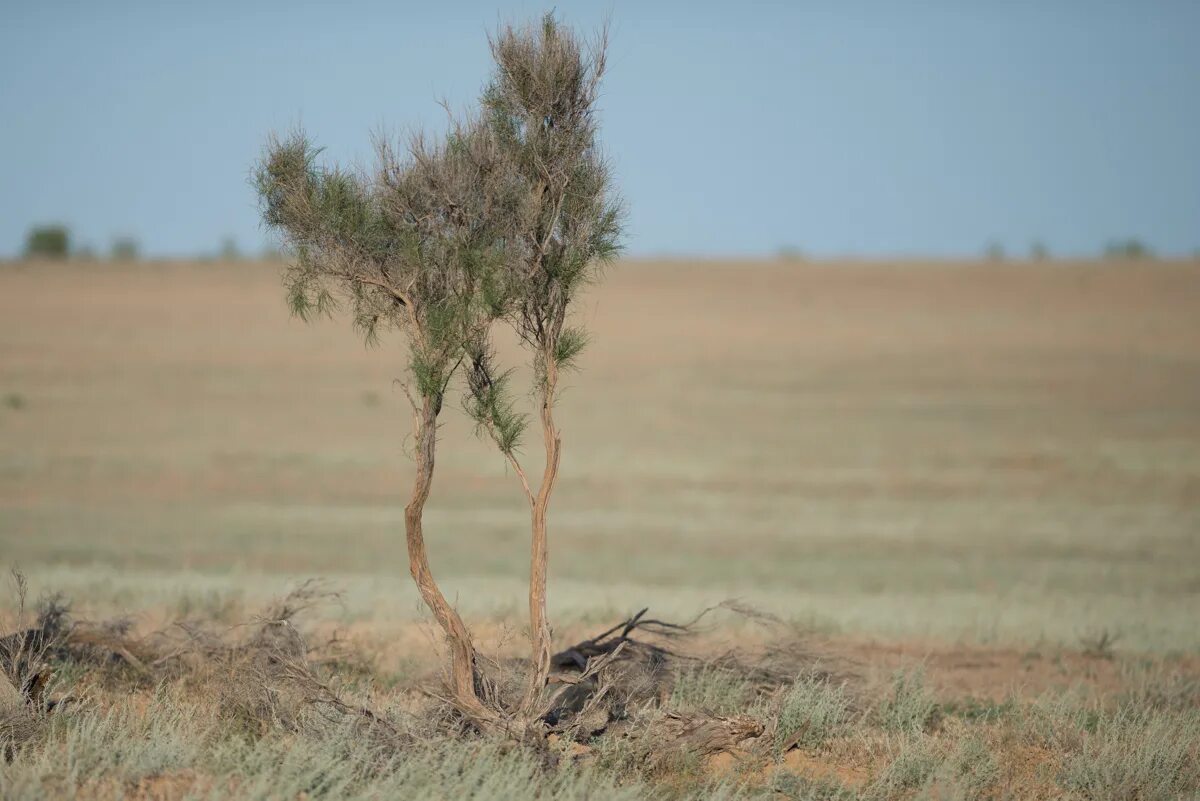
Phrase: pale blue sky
(871, 128)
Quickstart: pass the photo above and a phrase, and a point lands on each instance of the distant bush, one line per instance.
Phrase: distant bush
(1128, 249)
(229, 249)
(124, 248)
(790, 253)
(994, 252)
(1038, 251)
(48, 242)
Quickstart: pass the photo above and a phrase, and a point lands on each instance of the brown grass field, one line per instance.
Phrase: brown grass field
(985, 473)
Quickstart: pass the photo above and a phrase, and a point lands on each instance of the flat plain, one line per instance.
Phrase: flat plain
(981, 451)
(930, 461)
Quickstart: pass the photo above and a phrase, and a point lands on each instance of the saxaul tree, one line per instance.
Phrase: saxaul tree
(540, 110)
(505, 221)
(413, 248)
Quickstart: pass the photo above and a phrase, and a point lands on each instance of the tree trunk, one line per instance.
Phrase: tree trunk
(462, 652)
(539, 625)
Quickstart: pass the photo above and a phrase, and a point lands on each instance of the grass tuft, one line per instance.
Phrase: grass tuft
(812, 711)
(910, 708)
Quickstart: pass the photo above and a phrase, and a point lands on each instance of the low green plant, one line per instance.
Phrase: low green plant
(712, 690)
(910, 708)
(914, 765)
(970, 770)
(812, 711)
(1137, 753)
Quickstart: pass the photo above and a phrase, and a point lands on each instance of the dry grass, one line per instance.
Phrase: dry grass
(268, 708)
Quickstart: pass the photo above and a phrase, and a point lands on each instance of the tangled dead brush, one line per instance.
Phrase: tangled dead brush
(638, 693)
(262, 675)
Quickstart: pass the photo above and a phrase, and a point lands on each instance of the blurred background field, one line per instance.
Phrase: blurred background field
(976, 452)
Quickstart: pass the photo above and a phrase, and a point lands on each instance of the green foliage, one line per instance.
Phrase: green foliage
(48, 242)
(506, 218)
(429, 373)
(568, 346)
(488, 399)
(124, 248)
(539, 110)
(15, 401)
(812, 711)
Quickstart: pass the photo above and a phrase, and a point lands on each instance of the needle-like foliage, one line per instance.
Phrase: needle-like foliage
(541, 108)
(540, 111)
(505, 219)
(418, 247)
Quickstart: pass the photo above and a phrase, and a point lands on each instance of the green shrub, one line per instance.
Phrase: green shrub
(48, 242)
(812, 711)
(719, 692)
(910, 708)
(916, 764)
(970, 770)
(1137, 753)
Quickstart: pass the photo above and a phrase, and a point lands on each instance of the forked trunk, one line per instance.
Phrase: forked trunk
(539, 624)
(462, 651)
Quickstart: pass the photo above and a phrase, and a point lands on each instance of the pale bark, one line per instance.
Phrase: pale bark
(462, 651)
(539, 625)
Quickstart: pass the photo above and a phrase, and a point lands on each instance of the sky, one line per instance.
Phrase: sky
(875, 129)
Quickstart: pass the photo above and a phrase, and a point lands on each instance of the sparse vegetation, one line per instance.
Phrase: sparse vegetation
(265, 707)
(910, 708)
(813, 711)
